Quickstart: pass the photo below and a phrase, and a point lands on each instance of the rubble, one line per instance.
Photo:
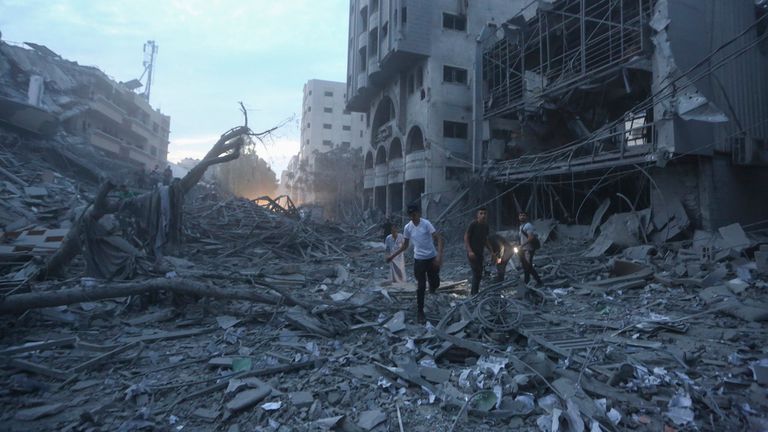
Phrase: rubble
(265, 321)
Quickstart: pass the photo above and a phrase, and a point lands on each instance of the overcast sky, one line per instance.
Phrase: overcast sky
(212, 54)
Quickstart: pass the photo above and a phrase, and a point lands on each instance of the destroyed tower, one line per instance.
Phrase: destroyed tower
(43, 94)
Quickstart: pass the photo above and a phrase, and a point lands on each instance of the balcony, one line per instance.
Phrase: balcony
(380, 175)
(105, 141)
(108, 109)
(396, 172)
(373, 21)
(362, 40)
(415, 165)
(369, 178)
(140, 129)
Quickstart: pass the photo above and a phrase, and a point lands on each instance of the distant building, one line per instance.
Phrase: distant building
(84, 101)
(325, 126)
(409, 68)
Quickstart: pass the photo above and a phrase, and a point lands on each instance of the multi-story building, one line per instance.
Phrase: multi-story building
(588, 103)
(326, 126)
(85, 102)
(408, 70)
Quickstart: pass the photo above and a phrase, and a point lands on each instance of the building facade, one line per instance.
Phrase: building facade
(326, 127)
(592, 101)
(409, 72)
(85, 102)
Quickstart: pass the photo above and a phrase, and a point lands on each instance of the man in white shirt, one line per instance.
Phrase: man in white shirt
(426, 258)
(529, 243)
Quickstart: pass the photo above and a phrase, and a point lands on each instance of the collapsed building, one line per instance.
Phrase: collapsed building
(632, 104)
(42, 93)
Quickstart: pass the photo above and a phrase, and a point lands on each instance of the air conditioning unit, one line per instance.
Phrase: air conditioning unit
(747, 150)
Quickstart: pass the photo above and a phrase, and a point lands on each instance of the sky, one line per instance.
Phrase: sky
(212, 54)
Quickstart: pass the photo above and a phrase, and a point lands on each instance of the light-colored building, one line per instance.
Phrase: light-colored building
(326, 125)
(409, 68)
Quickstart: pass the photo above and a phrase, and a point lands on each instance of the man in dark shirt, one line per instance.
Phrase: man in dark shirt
(475, 241)
(503, 251)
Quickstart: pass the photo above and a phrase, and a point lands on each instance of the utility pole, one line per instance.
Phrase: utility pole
(150, 51)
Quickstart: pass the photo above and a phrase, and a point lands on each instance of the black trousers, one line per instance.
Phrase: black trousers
(424, 270)
(477, 271)
(526, 260)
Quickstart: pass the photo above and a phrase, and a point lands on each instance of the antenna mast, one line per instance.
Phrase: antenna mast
(150, 51)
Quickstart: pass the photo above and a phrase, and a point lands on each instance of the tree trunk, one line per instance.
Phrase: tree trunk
(19, 303)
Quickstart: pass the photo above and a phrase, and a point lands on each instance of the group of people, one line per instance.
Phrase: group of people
(428, 248)
(154, 178)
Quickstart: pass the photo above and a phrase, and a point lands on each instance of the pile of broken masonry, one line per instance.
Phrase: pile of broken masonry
(301, 331)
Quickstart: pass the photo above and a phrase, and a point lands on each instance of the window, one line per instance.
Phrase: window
(310, 92)
(455, 173)
(500, 134)
(307, 125)
(419, 76)
(307, 141)
(309, 109)
(374, 6)
(361, 134)
(346, 144)
(411, 84)
(327, 126)
(329, 93)
(454, 22)
(346, 128)
(373, 43)
(363, 57)
(454, 75)
(384, 30)
(455, 130)
(404, 15)
(327, 110)
(153, 150)
(328, 143)
(361, 117)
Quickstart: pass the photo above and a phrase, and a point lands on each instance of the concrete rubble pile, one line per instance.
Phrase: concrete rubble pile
(263, 321)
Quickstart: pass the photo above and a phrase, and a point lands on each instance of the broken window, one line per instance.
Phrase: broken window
(454, 75)
(327, 126)
(328, 110)
(456, 173)
(454, 22)
(345, 144)
(455, 129)
(419, 76)
(636, 130)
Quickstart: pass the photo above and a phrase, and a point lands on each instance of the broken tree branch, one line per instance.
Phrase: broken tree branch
(20, 303)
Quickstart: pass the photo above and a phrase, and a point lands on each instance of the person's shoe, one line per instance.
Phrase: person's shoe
(421, 318)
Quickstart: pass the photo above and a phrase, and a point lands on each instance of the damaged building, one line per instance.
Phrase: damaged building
(408, 69)
(585, 105)
(329, 133)
(42, 94)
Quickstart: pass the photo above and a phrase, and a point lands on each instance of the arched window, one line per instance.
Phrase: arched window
(368, 160)
(395, 149)
(381, 155)
(415, 140)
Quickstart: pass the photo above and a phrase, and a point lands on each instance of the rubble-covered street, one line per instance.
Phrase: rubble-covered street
(302, 332)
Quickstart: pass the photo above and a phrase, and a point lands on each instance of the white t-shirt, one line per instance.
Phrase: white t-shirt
(525, 230)
(421, 237)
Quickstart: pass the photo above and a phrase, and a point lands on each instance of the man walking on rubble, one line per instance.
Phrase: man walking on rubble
(529, 243)
(426, 259)
(475, 242)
